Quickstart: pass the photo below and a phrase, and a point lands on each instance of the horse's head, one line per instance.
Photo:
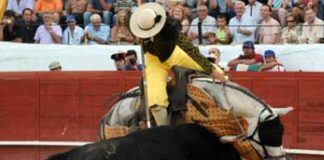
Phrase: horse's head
(268, 134)
(265, 131)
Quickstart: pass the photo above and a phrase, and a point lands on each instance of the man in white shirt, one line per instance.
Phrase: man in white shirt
(253, 10)
(241, 26)
(49, 32)
(202, 26)
(313, 28)
(72, 35)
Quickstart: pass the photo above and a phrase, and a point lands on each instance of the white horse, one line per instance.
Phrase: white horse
(265, 130)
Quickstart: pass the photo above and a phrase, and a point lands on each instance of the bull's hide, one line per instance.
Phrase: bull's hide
(184, 142)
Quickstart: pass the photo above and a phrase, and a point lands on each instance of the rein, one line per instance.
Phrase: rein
(265, 108)
(236, 119)
(265, 151)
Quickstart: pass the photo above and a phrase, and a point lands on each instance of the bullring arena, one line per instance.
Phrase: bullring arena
(56, 97)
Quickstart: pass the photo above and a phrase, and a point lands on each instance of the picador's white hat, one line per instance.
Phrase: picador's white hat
(147, 20)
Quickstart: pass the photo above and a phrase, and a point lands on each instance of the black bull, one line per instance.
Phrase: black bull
(183, 142)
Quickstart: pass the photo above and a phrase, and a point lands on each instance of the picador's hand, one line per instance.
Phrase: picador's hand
(218, 74)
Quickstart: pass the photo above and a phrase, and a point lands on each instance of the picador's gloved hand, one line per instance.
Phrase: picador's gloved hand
(218, 73)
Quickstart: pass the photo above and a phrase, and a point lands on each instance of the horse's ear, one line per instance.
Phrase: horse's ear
(283, 111)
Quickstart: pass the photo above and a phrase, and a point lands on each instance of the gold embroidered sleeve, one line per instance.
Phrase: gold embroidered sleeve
(185, 44)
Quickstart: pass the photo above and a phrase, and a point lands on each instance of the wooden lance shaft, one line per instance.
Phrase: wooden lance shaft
(147, 110)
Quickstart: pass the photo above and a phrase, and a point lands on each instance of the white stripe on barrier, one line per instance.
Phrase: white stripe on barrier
(305, 152)
(42, 143)
(74, 143)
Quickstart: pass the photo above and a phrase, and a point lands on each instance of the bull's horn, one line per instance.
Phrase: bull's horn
(283, 111)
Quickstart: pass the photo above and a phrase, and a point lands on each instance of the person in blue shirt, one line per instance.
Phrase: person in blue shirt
(96, 32)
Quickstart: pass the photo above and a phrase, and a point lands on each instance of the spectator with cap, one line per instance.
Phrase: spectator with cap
(119, 59)
(55, 66)
(132, 61)
(249, 61)
(271, 63)
(96, 32)
(72, 35)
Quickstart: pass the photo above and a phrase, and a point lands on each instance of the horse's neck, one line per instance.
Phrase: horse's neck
(250, 113)
(235, 99)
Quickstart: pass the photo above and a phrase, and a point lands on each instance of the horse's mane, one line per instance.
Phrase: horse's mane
(234, 86)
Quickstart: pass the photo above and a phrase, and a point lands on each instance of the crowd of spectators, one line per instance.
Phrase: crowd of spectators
(204, 22)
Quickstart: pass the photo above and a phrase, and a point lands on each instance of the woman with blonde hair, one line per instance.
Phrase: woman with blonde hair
(178, 13)
(120, 34)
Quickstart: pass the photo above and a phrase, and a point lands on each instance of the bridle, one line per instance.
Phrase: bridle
(267, 156)
(251, 137)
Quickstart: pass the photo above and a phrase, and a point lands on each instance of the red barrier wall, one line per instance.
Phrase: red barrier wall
(67, 106)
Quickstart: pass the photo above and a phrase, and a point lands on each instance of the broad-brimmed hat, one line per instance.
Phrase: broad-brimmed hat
(147, 20)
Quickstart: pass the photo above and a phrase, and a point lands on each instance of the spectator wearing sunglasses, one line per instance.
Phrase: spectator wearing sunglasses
(72, 35)
(292, 32)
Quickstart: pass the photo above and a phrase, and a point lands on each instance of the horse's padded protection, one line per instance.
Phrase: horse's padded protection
(113, 132)
(219, 121)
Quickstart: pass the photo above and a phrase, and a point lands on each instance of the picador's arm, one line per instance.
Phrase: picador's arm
(185, 44)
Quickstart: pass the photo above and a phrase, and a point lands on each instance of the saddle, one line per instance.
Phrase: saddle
(190, 104)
